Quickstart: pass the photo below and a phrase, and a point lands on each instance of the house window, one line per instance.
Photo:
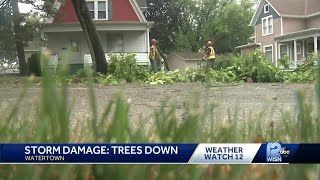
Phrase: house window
(90, 5)
(102, 10)
(268, 52)
(283, 50)
(98, 9)
(75, 46)
(115, 43)
(299, 48)
(267, 26)
(266, 8)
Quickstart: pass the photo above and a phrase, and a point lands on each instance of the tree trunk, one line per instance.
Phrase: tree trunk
(93, 41)
(18, 38)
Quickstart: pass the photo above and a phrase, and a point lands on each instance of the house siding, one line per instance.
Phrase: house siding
(135, 42)
(293, 25)
(66, 13)
(263, 15)
(313, 6)
(314, 22)
(123, 11)
(110, 10)
(119, 10)
(247, 50)
(268, 40)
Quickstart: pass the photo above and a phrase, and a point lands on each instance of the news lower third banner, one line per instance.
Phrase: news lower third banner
(159, 153)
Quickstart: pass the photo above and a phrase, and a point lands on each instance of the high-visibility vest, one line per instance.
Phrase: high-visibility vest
(212, 54)
(152, 54)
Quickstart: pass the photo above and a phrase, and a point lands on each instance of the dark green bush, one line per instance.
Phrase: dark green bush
(34, 64)
(254, 66)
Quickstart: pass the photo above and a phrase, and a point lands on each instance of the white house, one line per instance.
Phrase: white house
(121, 25)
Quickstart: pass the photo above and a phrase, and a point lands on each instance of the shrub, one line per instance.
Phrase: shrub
(233, 68)
(106, 79)
(82, 73)
(196, 75)
(123, 66)
(284, 61)
(254, 66)
(309, 63)
(224, 61)
(159, 78)
(141, 73)
(34, 64)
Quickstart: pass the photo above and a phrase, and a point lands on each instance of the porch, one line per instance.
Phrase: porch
(68, 42)
(297, 46)
(143, 59)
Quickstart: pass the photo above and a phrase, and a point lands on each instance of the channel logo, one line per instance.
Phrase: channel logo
(275, 152)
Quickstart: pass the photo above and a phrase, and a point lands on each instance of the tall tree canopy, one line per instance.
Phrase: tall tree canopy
(197, 15)
(184, 25)
(16, 30)
(165, 14)
(7, 40)
(231, 26)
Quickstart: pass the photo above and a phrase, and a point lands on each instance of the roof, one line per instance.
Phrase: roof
(289, 8)
(299, 33)
(142, 3)
(189, 56)
(133, 11)
(248, 45)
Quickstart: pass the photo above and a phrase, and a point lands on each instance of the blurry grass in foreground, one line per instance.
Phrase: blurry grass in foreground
(51, 124)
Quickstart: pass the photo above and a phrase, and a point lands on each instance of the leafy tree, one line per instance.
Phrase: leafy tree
(196, 15)
(7, 50)
(231, 26)
(13, 20)
(16, 29)
(225, 22)
(166, 14)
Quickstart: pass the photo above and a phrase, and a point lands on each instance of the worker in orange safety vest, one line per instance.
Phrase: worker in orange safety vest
(210, 56)
(154, 56)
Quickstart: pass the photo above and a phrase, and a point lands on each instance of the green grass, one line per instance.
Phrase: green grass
(51, 123)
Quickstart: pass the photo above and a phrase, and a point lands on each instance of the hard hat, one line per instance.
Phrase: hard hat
(153, 41)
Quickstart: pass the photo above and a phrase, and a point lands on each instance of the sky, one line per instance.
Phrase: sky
(24, 8)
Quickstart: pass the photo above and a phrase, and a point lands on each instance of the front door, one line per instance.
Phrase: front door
(70, 53)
